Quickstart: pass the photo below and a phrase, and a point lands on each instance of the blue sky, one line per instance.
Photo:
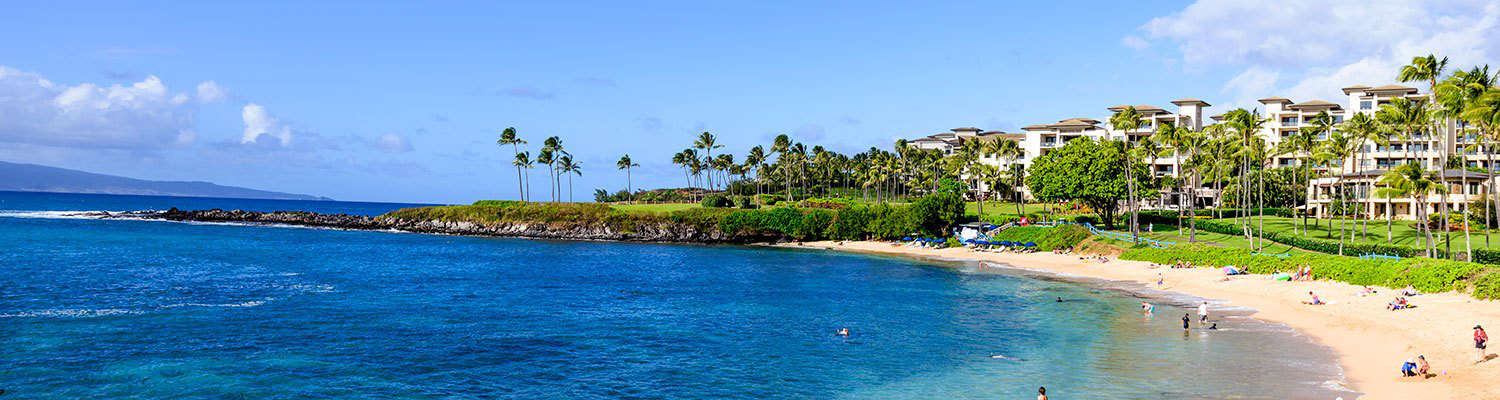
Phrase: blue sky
(402, 102)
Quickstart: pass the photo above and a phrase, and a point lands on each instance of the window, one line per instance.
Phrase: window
(1289, 121)
(1364, 105)
(1338, 119)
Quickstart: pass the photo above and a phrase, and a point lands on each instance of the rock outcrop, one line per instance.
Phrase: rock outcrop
(575, 230)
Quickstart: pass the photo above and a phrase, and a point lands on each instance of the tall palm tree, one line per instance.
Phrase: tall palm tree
(566, 166)
(1362, 129)
(1127, 121)
(781, 145)
(547, 156)
(1484, 113)
(626, 165)
(1429, 69)
(1247, 125)
(1192, 145)
(1305, 141)
(707, 142)
(1339, 147)
(1414, 181)
(553, 150)
(756, 160)
(1410, 119)
(684, 159)
(523, 161)
(508, 136)
(1171, 138)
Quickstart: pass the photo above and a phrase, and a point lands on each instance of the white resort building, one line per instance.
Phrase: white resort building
(1357, 175)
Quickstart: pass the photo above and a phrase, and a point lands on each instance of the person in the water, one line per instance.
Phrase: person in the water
(1214, 327)
(844, 332)
(1185, 320)
(1059, 299)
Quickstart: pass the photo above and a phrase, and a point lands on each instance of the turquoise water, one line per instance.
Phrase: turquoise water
(141, 309)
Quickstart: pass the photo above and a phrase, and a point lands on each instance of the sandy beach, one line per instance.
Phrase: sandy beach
(1371, 341)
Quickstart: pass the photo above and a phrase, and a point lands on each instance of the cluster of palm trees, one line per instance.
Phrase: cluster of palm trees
(559, 163)
(798, 171)
(1463, 105)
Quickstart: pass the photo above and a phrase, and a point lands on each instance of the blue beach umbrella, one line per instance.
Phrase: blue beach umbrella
(1030, 244)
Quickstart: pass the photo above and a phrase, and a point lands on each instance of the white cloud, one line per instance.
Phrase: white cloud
(144, 115)
(1305, 50)
(393, 143)
(210, 91)
(1135, 42)
(260, 123)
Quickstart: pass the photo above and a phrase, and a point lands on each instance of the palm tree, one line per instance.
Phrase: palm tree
(780, 145)
(1338, 147)
(1409, 117)
(685, 160)
(552, 150)
(546, 156)
(566, 166)
(626, 164)
(1193, 145)
(1484, 113)
(1429, 69)
(707, 143)
(1305, 141)
(1362, 129)
(1247, 124)
(1170, 138)
(508, 136)
(1128, 120)
(1414, 181)
(523, 161)
(756, 160)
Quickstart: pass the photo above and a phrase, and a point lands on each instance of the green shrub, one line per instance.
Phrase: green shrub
(832, 204)
(1487, 286)
(1425, 274)
(814, 225)
(850, 223)
(767, 199)
(742, 201)
(716, 201)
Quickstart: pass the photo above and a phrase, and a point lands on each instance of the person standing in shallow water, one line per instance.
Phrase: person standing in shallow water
(1203, 312)
(1185, 320)
(1041, 393)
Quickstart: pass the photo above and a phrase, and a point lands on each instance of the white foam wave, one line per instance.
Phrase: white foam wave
(251, 303)
(70, 313)
(50, 214)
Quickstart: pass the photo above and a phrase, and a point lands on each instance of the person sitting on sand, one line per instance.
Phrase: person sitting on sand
(1399, 303)
(1315, 300)
(1368, 291)
(1409, 368)
(1409, 291)
(1422, 366)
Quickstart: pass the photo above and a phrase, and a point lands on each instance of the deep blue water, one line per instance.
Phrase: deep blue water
(143, 309)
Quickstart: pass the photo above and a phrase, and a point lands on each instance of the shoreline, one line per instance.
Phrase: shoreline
(1369, 341)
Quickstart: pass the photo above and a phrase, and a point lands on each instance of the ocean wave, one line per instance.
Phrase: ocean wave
(70, 313)
(77, 214)
(251, 303)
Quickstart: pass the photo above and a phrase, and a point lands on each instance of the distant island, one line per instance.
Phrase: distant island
(41, 178)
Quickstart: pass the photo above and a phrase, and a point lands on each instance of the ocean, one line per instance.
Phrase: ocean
(147, 309)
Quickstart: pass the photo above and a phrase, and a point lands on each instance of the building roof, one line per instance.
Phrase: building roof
(1393, 88)
(1141, 108)
(1035, 127)
(1351, 89)
(968, 129)
(1274, 99)
(1187, 101)
(1219, 117)
(1315, 104)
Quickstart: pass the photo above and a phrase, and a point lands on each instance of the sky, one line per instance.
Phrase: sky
(403, 102)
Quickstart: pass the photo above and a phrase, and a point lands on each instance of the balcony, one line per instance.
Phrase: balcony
(1049, 144)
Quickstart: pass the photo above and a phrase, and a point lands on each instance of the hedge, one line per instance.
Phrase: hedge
(1425, 274)
(1046, 238)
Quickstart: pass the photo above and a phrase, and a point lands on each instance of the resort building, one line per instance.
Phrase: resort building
(1357, 176)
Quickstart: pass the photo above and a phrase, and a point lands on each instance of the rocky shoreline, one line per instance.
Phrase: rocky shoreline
(577, 230)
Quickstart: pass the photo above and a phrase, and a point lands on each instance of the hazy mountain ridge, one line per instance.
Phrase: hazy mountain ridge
(41, 178)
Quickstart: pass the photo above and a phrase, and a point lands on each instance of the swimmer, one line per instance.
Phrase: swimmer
(1214, 327)
(1059, 299)
(1147, 307)
(844, 332)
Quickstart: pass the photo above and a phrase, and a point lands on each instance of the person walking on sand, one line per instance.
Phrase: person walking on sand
(1480, 340)
(1203, 312)
(1041, 393)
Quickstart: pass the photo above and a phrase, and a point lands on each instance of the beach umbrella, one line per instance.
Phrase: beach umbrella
(1030, 244)
(908, 238)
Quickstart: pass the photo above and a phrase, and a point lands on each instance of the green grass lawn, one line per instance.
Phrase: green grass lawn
(662, 207)
(1402, 232)
(1170, 233)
